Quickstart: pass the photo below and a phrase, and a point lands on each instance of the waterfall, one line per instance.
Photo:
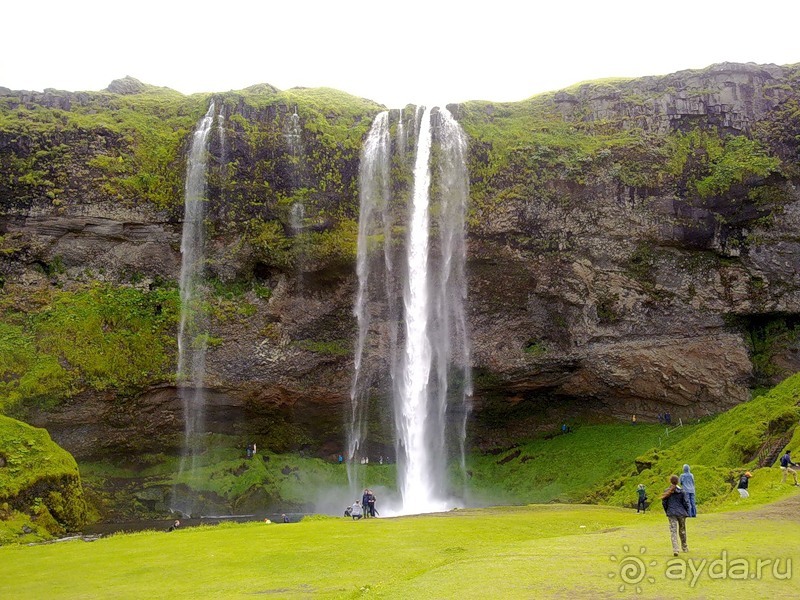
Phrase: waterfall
(223, 149)
(451, 340)
(192, 331)
(401, 138)
(292, 132)
(297, 216)
(374, 199)
(416, 471)
(427, 350)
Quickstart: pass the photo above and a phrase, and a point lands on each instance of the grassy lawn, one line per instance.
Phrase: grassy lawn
(557, 551)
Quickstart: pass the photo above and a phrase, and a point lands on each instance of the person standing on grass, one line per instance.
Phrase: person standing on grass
(687, 484)
(371, 504)
(640, 505)
(786, 467)
(676, 507)
(365, 502)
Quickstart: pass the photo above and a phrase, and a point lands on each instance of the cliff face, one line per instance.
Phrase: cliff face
(633, 248)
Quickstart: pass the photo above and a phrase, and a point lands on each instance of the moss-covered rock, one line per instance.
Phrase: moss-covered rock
(40, 488)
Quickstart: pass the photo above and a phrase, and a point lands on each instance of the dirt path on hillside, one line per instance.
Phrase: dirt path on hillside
(786, 509)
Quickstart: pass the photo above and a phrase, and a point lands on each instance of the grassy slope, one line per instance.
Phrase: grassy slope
(720, 450)
(31, 455)
(521, 552)
(565, 467)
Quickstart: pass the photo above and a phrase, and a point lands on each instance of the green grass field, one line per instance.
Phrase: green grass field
(537, 551)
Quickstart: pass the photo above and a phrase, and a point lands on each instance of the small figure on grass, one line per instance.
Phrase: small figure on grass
(365, 502)
(786, 467)
(744, 481)
(687, 484)
(641, 504)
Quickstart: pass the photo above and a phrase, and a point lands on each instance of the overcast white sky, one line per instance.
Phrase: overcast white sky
(410, 51)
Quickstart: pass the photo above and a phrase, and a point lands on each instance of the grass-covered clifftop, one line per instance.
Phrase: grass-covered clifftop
(81, 146)
(678, 134)
(40, 488)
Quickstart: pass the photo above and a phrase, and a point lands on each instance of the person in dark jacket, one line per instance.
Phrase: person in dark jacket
(686, 482)
(676, 507)
(365, 502)
(744, 481)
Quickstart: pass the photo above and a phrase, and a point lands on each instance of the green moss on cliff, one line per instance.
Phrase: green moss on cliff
(766, 336)
(561, 148)
(96, 337)
(710, 165)
(309, 250)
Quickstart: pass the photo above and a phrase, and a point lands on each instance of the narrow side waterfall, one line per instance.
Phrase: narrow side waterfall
(223, 147)
(192, 331)
(297, 216)
(374, 201)
(402, 139)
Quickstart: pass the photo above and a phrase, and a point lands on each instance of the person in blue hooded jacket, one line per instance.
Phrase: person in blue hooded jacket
(687, 485)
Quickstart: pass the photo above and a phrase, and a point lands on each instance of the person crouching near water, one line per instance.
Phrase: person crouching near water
(676, 506)
(355, 511)
(744, 482)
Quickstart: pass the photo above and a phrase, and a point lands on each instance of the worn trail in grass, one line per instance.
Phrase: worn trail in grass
(510, 552)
